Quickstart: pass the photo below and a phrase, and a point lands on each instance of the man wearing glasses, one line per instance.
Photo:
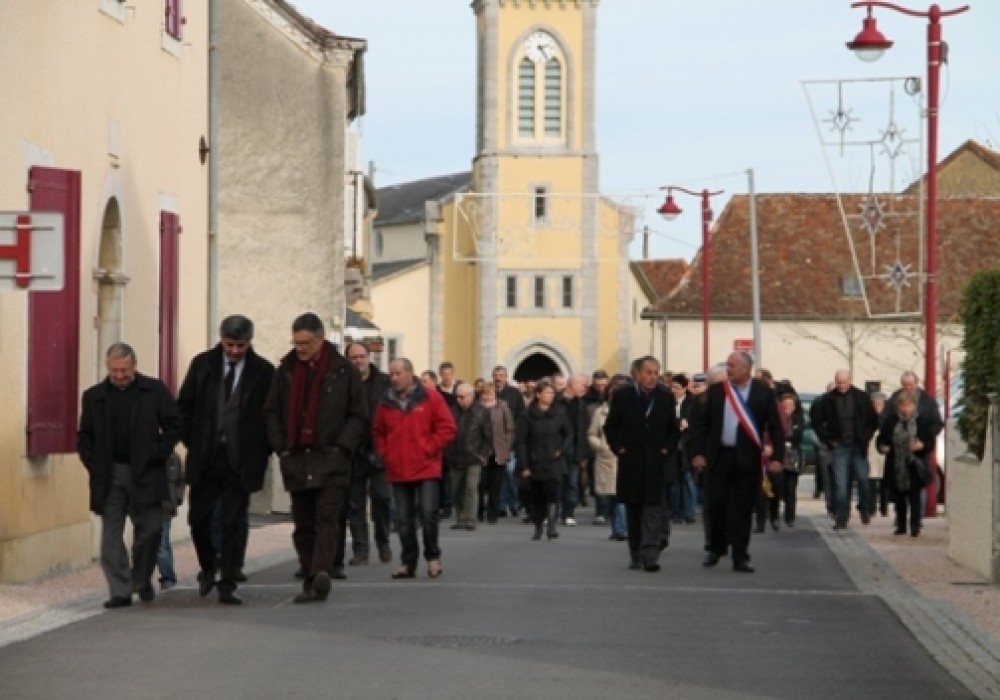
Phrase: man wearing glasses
(316, 415)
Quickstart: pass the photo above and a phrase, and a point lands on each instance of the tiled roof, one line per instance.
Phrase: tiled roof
(804, 253)
(404, 203)
(662, 275)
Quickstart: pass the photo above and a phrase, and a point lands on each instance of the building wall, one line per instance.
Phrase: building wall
(282, 166)
(104, 92)
(401, 242)
(809, 352)
(403, 316)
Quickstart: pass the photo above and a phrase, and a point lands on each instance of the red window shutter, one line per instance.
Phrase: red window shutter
(172, 19)
(170, 229)
(54, 325)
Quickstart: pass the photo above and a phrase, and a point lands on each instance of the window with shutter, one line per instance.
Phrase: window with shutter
(170, 229)
(172, 19)
(54, 325)
(553, 98)
(526, 98)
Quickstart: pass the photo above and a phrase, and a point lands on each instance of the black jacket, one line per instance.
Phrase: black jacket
(156, 428)
(826, 420)
(375, 387)
(543, 438)
(473, 443)
(642, 435)
(342, 423)
(706, 430)
(198, 401)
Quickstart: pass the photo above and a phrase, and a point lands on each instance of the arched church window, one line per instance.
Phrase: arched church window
(553, 98)
(526, 98)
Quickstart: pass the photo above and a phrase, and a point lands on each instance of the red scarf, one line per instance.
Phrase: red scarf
(300, 423)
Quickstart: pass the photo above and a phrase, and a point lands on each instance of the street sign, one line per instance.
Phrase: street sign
(31, 251)
(743, 345)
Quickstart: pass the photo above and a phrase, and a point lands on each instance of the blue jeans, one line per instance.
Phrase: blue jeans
(682, 497)
(407, 495)
(848, 460)
(570, 491)
(165, 557)
(508, 492)
(619, 527)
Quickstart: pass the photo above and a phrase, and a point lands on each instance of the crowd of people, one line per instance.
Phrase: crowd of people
(405, 452)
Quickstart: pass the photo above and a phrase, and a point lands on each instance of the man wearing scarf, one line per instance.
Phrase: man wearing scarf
(316, 415)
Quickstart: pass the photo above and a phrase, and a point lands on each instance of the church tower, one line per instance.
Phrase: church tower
(551, 255)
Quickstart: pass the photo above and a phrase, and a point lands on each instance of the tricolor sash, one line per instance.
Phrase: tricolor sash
(742, 412)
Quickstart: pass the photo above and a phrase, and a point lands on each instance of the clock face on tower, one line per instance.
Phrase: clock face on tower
(540, 47)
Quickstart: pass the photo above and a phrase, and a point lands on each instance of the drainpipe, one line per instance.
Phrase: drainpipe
(213, 170)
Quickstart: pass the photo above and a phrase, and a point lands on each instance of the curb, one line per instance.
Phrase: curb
(962, 648)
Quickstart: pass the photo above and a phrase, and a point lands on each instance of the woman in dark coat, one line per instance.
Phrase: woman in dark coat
(906, 435)
(543, 437)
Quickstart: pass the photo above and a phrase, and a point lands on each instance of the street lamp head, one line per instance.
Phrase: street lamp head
(870, 43)
(669, 210)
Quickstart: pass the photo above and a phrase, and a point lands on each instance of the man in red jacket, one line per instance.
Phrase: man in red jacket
(412, 427)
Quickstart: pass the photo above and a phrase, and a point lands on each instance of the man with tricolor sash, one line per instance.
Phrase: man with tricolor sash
(735, 438)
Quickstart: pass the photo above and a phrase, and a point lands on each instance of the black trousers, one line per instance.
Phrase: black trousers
(221, 484)
(490, 486)
(317, 514)
(731, 494)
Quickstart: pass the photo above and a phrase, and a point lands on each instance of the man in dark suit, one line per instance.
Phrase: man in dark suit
(128, 428)
(640, 427)
(220, 403)
(728, 439)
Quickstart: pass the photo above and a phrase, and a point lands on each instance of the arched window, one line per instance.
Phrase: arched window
(553, 98)
(526, 98)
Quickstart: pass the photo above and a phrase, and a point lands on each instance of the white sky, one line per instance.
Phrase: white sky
(688, 93)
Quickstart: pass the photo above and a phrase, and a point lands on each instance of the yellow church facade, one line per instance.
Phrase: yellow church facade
(528, 262)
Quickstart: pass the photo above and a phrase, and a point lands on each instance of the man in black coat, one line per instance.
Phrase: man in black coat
(732, 451)
(846, 422)
(220, 402)
(368, 483)
(129, 425)
(640, 427)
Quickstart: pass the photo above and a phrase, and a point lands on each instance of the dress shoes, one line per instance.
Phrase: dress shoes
(309, 596)
(240, 577)
(206, 582)
(651, 566)
(147, 594)
(321, 583)
(339, 573)
(711, 559)
(300, 573)
(358, 560)
(229, 597)
(840, 525)
(743, 567)
(384, 553)
(117, 602)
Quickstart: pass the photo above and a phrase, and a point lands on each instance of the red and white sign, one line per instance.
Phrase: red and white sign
(743, 345)
(31, 251)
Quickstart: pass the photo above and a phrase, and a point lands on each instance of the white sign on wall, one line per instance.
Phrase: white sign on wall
(32, 251)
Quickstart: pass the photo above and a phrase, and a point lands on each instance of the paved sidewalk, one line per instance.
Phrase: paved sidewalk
(949, 609)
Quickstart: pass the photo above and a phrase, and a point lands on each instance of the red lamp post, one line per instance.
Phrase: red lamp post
(869, 45)
(669, 211)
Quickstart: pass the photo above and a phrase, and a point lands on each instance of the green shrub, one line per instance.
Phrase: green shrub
(981, 370)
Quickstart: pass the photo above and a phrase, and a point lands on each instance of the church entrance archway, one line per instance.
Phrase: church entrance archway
(534, 367)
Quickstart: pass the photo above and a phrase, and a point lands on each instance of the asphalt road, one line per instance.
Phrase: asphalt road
(510, 618)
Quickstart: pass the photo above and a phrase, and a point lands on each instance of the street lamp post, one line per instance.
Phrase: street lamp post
(869, 45)
(669, 211)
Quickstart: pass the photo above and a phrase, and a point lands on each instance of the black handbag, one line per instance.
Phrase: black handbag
(922, 470)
